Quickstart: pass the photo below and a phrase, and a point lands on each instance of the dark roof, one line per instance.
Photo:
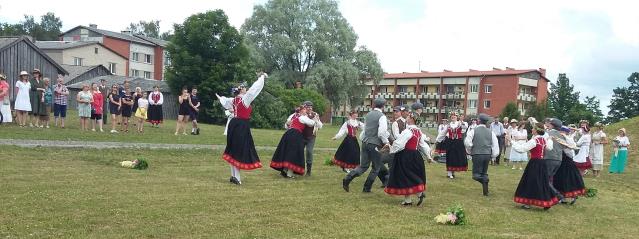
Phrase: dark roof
(117, 35)
(156, 41)
(470, 73)
(62, 45)
(6, 42)
(75, 71)
(145, 84)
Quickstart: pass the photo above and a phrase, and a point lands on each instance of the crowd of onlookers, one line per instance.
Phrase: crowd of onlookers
(36, 98)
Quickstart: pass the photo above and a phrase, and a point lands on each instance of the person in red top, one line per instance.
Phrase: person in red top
(289, 155)
(347, 155)
(240, 149)
(5, 104)
(96, 107)
(451, 140)
(408, 174)
(534, 188)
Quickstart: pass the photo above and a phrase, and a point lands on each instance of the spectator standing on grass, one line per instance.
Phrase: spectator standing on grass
(126, 109)
(620, 153)
(104, 88)
(96, 107)
(141, 112)
(194, 110)
(114, 106)
(156, 99)
(38, 108)
(599, 139)
(498, 128)
(84, 98)
(61, 95)
(137, 94)
(23, 103)
(5, 102)
(183, 111)
(48, 98)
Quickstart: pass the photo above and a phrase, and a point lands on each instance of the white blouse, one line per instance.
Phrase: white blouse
(400, 143)
(344, 129)
(532, 143)
(623, 142)
(248, 97)
(444, 133)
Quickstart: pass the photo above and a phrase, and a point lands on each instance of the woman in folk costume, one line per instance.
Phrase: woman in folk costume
(620, 153)
(289, 155)
(518, 135)
(599, 139)
(408, 174)
(453, 142)
(240, 149)
(582, 159)
(439, 146)
(156, 99)
(534, 188)
(568, 181)
(347, 155)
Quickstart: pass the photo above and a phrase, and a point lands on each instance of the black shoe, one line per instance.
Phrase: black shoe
(283, 174)
(366, 190)
(562, 199)
(406, 203)
(308, 171)
(484, 187)
(546, 208)
(421, 199)
(525, 206)
(197, 131)
(574, 201)
(192, 133)
(345, 183)
(235, 181)
(231, 179)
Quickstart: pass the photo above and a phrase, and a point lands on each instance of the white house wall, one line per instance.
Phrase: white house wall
(140, 65)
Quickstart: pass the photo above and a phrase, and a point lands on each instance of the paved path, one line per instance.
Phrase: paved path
(115, 145)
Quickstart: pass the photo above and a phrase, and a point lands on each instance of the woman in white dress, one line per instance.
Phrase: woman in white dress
(582, 159)
(23, 104)
(518, 135)
(599, 139)
(508, 140)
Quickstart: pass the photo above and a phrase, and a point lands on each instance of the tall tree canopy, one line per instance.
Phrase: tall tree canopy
(562, 97)
(511, 111)
(625, 101)
(47, 29)
(207, 52)
(150, 29)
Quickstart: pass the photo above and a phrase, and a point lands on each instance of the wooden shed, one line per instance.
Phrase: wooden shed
(83, 73)
(20, 54)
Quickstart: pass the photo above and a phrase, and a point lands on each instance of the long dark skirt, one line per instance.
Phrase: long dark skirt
(240, 149)
(534, 188)
(585, 165)
(347, 155)
(440, 148)
(455, 155)
(568, 180)
(290, 152)
(155, 114)
(408, 174)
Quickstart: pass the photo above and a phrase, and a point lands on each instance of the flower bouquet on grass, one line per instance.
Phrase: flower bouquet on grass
(139, 164)
(454, 216)
(591, 192)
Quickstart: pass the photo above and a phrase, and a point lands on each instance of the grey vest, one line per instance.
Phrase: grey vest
(371, 124)
(482, 141)
(557, 149)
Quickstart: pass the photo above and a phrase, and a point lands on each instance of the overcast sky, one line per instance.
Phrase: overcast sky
(595, 42)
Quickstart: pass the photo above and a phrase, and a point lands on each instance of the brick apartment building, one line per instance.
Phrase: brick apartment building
(145, 55)
(468, 93)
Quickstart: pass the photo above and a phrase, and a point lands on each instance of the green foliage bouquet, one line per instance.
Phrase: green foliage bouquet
(139, 164)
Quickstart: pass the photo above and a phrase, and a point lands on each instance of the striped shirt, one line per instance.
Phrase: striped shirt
(59, 98)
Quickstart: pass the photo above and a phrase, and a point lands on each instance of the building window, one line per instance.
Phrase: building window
(147, 74)
(135, 73)
(77, 61)
(403, 102)
(474, 88)
(403, 89)
(135, 56)
(472, 104)
(450, 89)
(112, 67)
(96, 50)
(488, 88)
(148, 58)
(486, 104)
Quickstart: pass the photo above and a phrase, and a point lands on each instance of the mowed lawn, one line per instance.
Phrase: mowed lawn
(74, 193)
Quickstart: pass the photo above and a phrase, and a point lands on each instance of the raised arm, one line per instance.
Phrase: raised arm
(254, 90)
(226, 102)
(525, 147)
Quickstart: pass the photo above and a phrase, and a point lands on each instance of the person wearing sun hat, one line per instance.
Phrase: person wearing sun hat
(22, 102)
(620, 155)
(36, 95)
(5, 103)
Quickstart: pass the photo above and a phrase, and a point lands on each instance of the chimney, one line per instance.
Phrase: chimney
(405, 72)
(543, 72)
(94, 26)
(496, 69)
(510, 69)
(447, 70)
(424, 71)
(128, 32)
(472, 70)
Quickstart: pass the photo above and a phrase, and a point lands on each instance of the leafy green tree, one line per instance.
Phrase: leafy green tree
(511, 111)
(368, 68)
(563, 97)
(148, 28)
(206, 51)
(625, 101)
(49, 28)
(592, 104)
(540, 111)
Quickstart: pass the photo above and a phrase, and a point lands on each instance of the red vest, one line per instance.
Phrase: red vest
(413, 142)
(538, 151)
(241, 111)
(455, 133)
(352, 131)
(155, 97)
(296, 123)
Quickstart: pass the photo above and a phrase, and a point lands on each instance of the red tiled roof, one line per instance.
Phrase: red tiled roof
(471, 73)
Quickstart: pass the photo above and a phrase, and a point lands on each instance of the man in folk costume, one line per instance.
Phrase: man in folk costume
(554, 156)
(482, 144)
(375, 135)
(310, 132)
(240, 150)
(453, 142)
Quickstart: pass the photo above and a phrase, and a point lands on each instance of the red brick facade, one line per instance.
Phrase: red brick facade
(158, 63)
(119, 46)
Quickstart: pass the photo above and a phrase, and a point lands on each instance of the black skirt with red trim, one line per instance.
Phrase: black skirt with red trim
(155, 114)
(408, 174)
(534, 188)
(240, 149)
(440, 148)
(347, 155)
(585, 165)
(568, 180)
(290, 153)
(455, 155)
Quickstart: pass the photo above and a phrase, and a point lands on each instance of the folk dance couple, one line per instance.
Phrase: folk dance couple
(408, 175)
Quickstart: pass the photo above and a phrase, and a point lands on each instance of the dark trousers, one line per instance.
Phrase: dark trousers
(480, 167)
(105, 109)
(502, 146)
(309, 144)
(369, 156)
(553, 166)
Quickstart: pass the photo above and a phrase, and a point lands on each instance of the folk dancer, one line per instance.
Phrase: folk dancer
(482, 144)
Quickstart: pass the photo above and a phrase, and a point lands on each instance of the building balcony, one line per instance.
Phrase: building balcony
(363, 108)
(454, 96)
(425, 95)
(383, 95)
(406, 95)
(527, 97)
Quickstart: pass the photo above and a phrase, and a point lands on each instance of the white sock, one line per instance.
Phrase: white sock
(407, 199)
(450, 173)
(232, 171)
(237, 174)
(289, 172)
